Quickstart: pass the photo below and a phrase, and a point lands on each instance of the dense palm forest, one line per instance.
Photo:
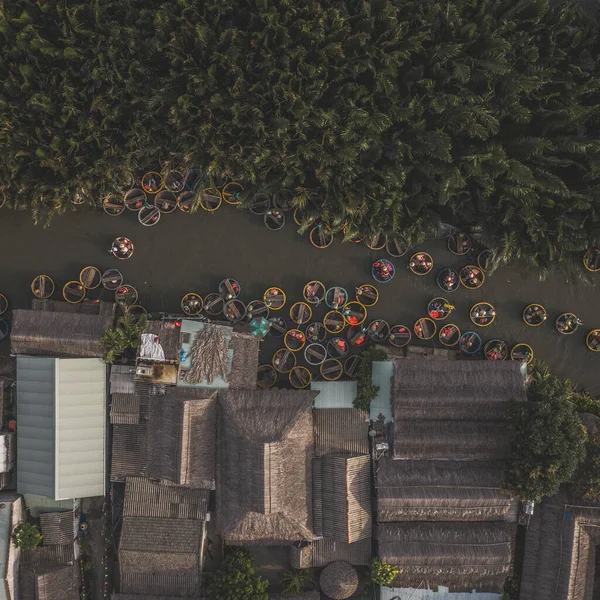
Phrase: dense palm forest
(396, 115)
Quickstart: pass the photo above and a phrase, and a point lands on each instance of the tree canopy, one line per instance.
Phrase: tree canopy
(396, 115)
(26, 536)
(236, 579)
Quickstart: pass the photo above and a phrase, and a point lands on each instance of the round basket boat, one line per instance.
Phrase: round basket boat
(73, 292)
(274, 219)
(471, 277)
(300, 313)
(299, 218)
(112, 279)
(213, 304)
(354, 313)
(3, 304)
(321, 236)
(336, 297)
(122, 248)
(136, 311)
(126, 295)
(300, 377)
(135, 199)
(234, 310)
(424, 328)
(266, 376)
(522, 352)
(482, 314)
(274, 298)
(459, 243)
(210, 199)
(294, 340)
(367, 295)
(376, 241)
(113, 205)
(175, 182)
(534, 315)
(261, 203)
(149, 216)
(231, 192)
(352, 364)
(337, 347)
(90, 277)
(485, 260)
(314, 292)
(78, 199)
(420, 263)
(316, 332)
(591, 260)
(4, 329)
(378, 331)
(193, 179)
(383, 270)
(400, 336)
(257, 309)
(449, 335)
(284, 360)
(152, 182)
(396, 246)
(448, 280)
(315, 354)
(331, 369)
(278, 326)
(166, 202)
(283, 200)
(567, 323)
(334, 321)
(469, 343)
(496, 350)
(186, 201)
(592, 340)
(357, 336)
(355, 239)
(192, 304)
(42, 286)
(220, 180)
(439, 309)
(229, 288)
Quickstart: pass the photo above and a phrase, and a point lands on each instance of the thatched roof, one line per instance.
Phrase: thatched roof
(87, 306)
(124, 409)
(244, 364)
(339, 580)
(457, 412)
(167, 337)
(342, 497)
(145, 498)
(129, 451)
(324, 551)
(144, 585)
(341, 431)
(560, 550)
(50, 583)
(264, 452)
(57, 528)
(462, 556)
(58, 334)
(421, 490)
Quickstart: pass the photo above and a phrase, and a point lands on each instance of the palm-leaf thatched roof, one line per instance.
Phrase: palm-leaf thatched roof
(339, 580)
(264, 452)
(463, 556)
(456, 412)
(58, 334)
(324, 551)
(560, 550)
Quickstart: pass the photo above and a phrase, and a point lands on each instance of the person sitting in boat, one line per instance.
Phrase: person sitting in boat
(450, 280)
(472, 278)
(536, 314)
(569, 324)
(421, 263)
(122, 248)
(311, 293)
(383, 270)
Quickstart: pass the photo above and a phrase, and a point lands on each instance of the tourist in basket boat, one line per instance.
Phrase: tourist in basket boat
(122, 248)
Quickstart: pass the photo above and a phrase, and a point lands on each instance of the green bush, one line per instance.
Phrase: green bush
(236, 579)
(382, 573)
(26, 536)
(122, 340)
(295, 581)
(365, 390)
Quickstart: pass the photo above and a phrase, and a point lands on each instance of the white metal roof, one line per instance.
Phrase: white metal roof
(442, 593)
(381, 374)
(61, 415)
(334, 394)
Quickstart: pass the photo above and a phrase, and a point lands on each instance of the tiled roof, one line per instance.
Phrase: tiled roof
(341, 431)
(125, 409)
(57, 528)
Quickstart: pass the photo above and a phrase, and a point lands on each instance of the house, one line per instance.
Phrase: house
(264, 455)
(61, 408)
(160, 550)
(12, 512)
(442, 519)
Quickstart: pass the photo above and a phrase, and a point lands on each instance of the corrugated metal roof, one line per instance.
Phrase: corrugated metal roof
(122, 379)
(334, 394)
(61, 406)
(441, 594)
(125, 409)
(382, 373)
(38, 505)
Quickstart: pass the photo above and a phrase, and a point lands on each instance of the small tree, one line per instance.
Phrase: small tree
(547, 439)
(237, 579)
(122, 339)
(295, 581)
(366, 391)
(382, 573)
(586, 481)
(26, 536)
